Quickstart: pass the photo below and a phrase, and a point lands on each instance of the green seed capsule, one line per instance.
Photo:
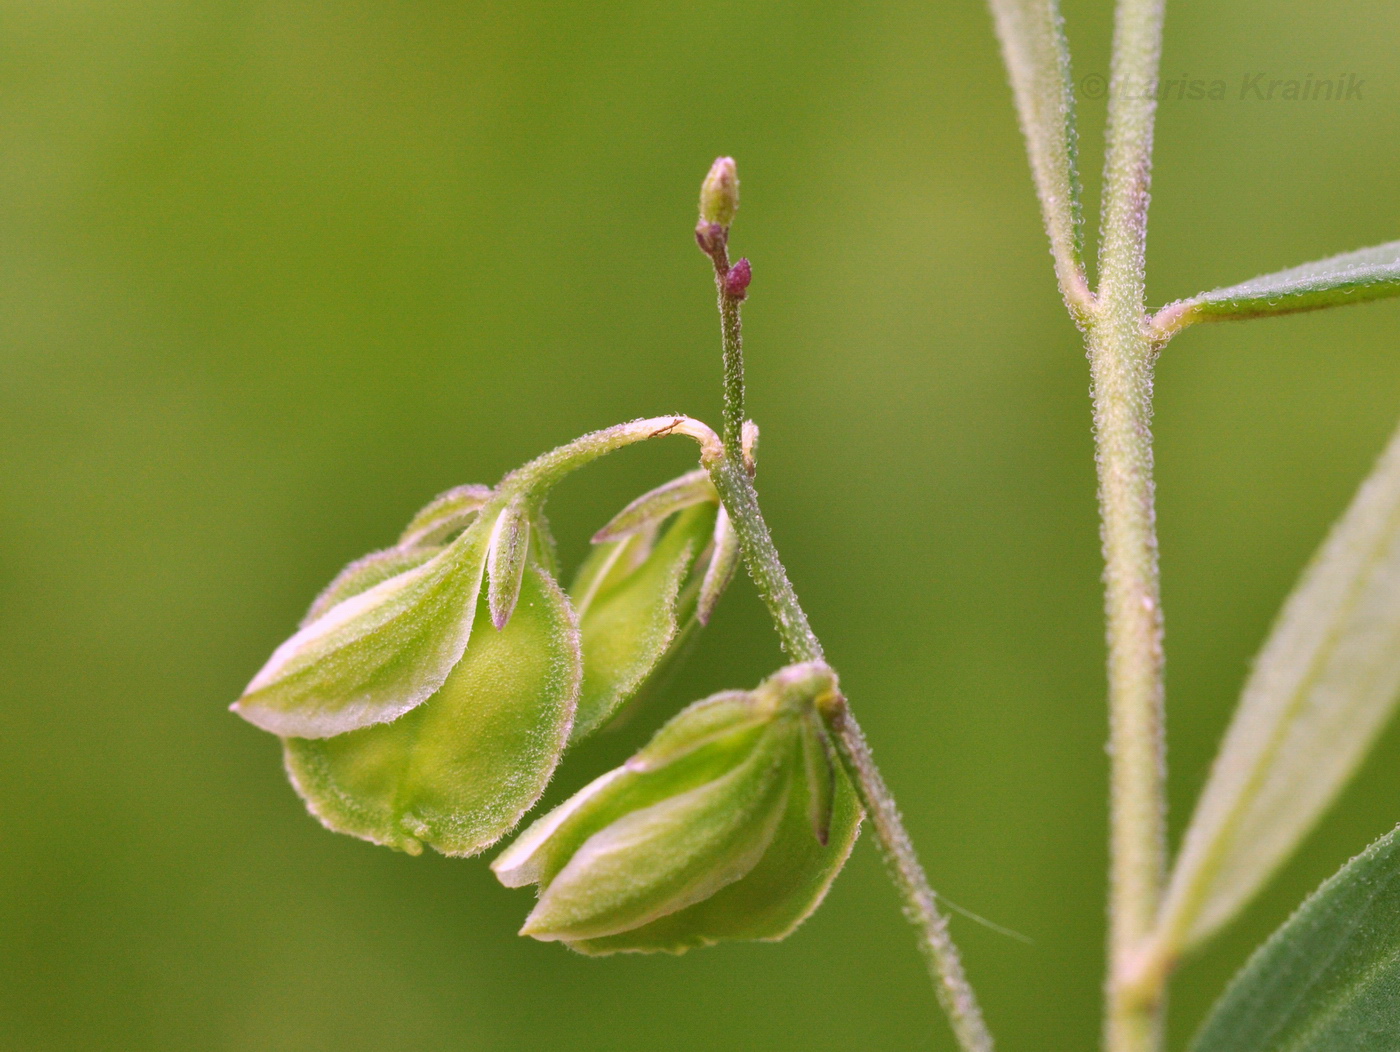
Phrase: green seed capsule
(444, 516)
(369, 656)
(459, 771)
(400, 723)
(705, 835)
(654, 576)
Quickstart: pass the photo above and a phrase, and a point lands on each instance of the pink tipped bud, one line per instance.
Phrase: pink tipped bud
(719, 194)
(736, 282)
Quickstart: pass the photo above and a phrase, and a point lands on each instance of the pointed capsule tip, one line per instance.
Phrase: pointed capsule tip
(532, 929)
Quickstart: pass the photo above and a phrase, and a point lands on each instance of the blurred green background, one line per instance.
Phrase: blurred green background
(275, 273)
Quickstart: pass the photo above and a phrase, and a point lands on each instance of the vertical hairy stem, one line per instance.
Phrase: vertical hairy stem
(1122, 382)
(1121, 360)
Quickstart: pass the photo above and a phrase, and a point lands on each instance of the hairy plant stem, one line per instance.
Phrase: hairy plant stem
(732, 335)
(1121, 360)
(730, 474)
(945, 968)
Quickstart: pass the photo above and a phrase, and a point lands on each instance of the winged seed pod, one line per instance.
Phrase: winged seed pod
(654, 576)
(459, 771)
(374, 647)
(730, 824)
(400, 724)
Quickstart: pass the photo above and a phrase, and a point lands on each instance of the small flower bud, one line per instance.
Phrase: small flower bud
(736, 282)
(714, 831)
(719, 193)
(711, 237)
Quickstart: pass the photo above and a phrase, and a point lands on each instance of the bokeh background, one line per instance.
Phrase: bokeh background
(272, 274)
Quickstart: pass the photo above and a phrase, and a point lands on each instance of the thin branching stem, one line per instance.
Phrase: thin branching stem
(730, 474)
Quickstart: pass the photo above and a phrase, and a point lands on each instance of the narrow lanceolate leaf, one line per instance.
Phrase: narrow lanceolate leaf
(1353, 277)
(631, 611)
(1322, 688)
(1037, 59)
(370, 658)
(661, 503)
(781, 891)
(458, 772)
(1329, 979)
(447, 514)
(507, 553)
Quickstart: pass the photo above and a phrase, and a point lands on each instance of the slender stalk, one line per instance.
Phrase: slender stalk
(729, 472)
(1121, 360)
(546, 470)
(732, 336)
(954, 991)
(1037, 60)
(740, 499)
(920, 903)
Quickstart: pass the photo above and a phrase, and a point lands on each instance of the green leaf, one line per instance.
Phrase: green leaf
(445, 515)
(373, 657)
(1329, 979)
(631, 610)
(662, 858)
(1322, 688)
(1353, 277)
(705, 724)
(1037, 59)
(819, 770)
(458, 772)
